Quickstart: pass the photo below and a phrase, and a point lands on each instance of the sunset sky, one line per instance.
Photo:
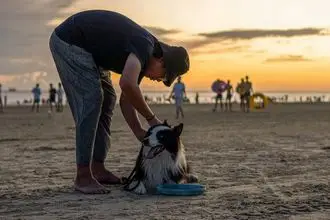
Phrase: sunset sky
(283, 45)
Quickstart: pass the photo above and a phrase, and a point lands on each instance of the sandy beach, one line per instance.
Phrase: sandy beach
(268, 164)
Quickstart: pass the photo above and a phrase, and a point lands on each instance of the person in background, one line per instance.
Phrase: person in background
(197, 98)
(36, 91)
(59, 104)
(218, 98)
(229, 95)
(241, 92)
(248, 91)
(179, 91)
(52, 97)
(1, 105)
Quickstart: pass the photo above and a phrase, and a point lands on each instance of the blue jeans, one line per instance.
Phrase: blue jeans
(91, 98)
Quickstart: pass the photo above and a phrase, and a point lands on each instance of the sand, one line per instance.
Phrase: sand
(270, 164)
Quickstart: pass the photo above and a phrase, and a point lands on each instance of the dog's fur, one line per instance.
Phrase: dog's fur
(161, 160)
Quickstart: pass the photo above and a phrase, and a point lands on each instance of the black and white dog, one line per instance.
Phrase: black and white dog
(161, 160)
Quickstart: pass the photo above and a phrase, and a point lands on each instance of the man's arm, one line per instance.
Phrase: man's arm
(129, 85)
(131, 117)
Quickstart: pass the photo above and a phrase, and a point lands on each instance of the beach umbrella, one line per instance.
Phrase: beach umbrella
(219, 86)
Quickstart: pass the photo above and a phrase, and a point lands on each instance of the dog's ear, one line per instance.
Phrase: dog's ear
(178, 129)
(165, 123)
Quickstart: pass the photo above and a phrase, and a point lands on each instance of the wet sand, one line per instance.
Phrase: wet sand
(269, 164)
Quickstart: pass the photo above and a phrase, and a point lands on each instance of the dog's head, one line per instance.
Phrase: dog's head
(162, 137)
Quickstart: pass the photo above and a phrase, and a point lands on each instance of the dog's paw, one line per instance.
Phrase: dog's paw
(191, 178)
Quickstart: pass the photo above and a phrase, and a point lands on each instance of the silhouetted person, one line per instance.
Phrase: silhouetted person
(59, 104)
(1, 105)
(218, 98)
(197, 98)
(179, 91)
(36, 91)
(229, 95)
(241, 91)
(247, 93)
(52, 96)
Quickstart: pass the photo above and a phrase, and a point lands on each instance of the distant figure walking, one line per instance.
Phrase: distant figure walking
(179, 91)
(52, 97)
(36, 91)
(248, 90)
(1, 105)
(229, 95)
(60, 92)
(197, 98)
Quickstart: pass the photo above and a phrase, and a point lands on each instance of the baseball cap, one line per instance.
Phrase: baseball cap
(176, 62)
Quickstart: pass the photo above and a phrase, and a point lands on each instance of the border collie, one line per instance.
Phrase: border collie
(161, 160)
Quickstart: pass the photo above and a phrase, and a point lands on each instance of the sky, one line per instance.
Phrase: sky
(283, 45)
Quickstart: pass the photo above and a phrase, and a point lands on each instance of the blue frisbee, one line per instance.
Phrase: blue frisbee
(189, 189)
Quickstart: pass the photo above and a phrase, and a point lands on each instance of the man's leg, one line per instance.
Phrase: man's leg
(1, 106)
(38, 104)
(178, 103)
(248, 102)
(216, 103)
(81, 82)
(103, 135)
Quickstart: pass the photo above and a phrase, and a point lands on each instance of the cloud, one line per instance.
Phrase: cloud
(232, 36)
(255, 33)
(158, 31)
(220, 49)
(287, 58)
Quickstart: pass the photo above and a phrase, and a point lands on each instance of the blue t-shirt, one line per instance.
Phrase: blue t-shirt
(36, 93)
(109, 36)
(178, 90)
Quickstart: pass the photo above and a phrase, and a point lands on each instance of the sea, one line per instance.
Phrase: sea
(161, 97)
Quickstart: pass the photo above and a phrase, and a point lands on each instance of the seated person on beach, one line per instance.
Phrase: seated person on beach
(36, 91)
(229, 95)
(94, 39)
(179, 91)
(52, 96)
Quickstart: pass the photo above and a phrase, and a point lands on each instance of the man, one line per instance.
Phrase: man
(59, 106)
(1, 105)
(248, 90)
(229, 95)
(240, 90)
(52, 97)
(96, 40)
(36, 91)
(179, 91)
(218, 96)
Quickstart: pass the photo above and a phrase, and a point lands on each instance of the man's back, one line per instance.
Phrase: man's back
(108, 36)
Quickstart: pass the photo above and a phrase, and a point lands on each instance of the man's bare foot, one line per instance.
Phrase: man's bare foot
(103, 175)
(89, 186)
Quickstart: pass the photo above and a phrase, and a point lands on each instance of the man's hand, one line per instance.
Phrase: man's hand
(140, 134)
(154, 121)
